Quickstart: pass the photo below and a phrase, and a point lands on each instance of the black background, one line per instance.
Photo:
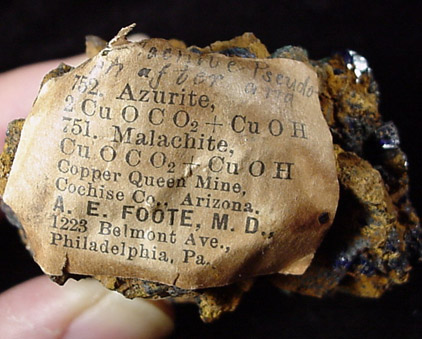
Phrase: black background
(387, 33)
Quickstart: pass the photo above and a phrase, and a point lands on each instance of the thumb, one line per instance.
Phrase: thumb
(19, 88)
(39, 308)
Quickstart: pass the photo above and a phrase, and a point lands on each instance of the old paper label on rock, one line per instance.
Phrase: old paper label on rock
(191, 170)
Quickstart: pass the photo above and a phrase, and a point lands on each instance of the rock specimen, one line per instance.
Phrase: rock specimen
(376, 234)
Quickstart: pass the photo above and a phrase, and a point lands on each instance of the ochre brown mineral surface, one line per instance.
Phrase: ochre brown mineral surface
(376, 235)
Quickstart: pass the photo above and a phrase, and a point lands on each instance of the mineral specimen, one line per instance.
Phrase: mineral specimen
(376, 235)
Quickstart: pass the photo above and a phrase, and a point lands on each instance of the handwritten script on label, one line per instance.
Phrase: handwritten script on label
(194, 170)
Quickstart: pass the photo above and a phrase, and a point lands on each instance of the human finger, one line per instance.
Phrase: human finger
(19, 88)
(39, 308)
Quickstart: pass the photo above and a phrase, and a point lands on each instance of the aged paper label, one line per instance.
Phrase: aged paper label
(191, 170)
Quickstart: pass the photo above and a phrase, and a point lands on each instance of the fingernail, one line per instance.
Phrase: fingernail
(114, 316)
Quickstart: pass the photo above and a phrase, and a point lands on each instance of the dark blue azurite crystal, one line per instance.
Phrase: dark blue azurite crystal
(388, 136)
(238, 52)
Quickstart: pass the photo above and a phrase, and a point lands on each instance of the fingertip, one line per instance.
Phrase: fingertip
(2, 136)
(84, 309)
(114, 316)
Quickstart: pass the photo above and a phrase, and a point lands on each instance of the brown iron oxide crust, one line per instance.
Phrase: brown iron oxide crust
(376, 234)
